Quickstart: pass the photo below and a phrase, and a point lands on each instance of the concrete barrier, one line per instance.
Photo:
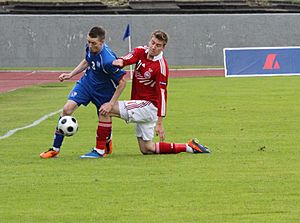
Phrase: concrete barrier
(195, 40)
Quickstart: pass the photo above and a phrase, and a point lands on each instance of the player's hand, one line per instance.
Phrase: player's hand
(64, 76)
(118, 63)
(160, 131)
(105, 108)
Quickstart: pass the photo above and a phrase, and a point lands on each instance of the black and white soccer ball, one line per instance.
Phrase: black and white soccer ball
(67, 125)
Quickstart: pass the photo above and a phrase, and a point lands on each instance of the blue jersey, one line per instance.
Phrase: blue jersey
(101, 72)
(100, 80)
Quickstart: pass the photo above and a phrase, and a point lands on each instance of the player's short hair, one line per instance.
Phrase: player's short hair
(161, 35)
(97, 32)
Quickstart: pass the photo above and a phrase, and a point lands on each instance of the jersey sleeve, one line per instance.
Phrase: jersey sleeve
(87, 52)
(161, 88)
(132, 57)
(115, 72)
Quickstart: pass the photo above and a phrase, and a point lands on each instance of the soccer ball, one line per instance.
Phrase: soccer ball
(67, 125)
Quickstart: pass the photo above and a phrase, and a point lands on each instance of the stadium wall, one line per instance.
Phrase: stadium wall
(195, 40)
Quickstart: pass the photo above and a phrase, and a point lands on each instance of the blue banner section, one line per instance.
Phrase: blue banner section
(262, 61)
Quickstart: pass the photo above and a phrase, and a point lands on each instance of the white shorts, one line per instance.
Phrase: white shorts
(141, 112)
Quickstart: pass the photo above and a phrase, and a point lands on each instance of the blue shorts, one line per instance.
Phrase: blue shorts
(83, 95)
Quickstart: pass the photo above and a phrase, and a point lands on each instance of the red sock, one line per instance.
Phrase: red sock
(169, 148)
(103, 133)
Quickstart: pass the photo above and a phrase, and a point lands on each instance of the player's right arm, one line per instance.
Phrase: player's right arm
(118, 63)
(130, 58)
(77, 70)
(106, 108)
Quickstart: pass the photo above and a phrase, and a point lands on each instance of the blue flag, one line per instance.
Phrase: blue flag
(127, 32)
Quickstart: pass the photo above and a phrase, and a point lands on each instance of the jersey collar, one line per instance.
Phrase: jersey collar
(158, 57)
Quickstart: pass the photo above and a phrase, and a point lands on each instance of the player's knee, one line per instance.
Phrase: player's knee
(104, 118)
(143, 152)
(67, 110)
(146, 150)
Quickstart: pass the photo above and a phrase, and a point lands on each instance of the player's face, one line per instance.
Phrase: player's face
(155, 46)
(95, 44)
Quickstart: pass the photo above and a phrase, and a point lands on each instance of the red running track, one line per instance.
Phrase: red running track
(12, 80)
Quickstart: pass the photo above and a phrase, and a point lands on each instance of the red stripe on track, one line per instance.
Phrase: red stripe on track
(12, 80)
(197, 73)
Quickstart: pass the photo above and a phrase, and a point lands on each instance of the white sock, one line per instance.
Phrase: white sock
(100, 151)
(56, 149)
(189, 149)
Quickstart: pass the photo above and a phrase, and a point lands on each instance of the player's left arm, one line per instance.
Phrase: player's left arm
(161, 88)
(159, 129)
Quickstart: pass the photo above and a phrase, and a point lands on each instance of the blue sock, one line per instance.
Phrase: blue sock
(58, 138)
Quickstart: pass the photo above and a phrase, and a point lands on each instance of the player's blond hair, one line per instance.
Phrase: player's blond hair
(160, 35)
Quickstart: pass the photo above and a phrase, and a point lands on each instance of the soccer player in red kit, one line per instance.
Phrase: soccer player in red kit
(147, 106)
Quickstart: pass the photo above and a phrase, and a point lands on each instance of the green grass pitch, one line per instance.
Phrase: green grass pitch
(252, 126)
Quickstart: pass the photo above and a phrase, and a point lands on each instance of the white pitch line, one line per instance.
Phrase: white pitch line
(36, 122)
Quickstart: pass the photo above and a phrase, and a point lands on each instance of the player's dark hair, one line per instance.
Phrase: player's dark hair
(97, 32)
(161, 35)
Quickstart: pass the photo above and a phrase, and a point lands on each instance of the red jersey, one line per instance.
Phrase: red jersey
(150, 78)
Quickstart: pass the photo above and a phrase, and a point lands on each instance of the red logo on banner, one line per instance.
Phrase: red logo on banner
(271, 63)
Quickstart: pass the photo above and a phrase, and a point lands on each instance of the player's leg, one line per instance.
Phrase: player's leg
(193, 146)
(146, 147)
(109, 144)
(149, 147)
(145, 132)
(103, 135)
(68, 109)
(144, 114)
(115, 112)
(79, 95)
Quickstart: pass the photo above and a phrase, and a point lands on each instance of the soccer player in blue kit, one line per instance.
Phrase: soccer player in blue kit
(101, 83)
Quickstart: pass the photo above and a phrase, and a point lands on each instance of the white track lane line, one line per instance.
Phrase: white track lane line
(36, 122)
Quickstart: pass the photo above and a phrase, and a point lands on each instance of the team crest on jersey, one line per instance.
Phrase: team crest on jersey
(147, 75)
(73, 94)
(98, 64)
(145, 79)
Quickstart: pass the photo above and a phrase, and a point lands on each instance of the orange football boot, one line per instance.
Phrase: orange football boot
(51, 153)
(109, 147)
(197, 147)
